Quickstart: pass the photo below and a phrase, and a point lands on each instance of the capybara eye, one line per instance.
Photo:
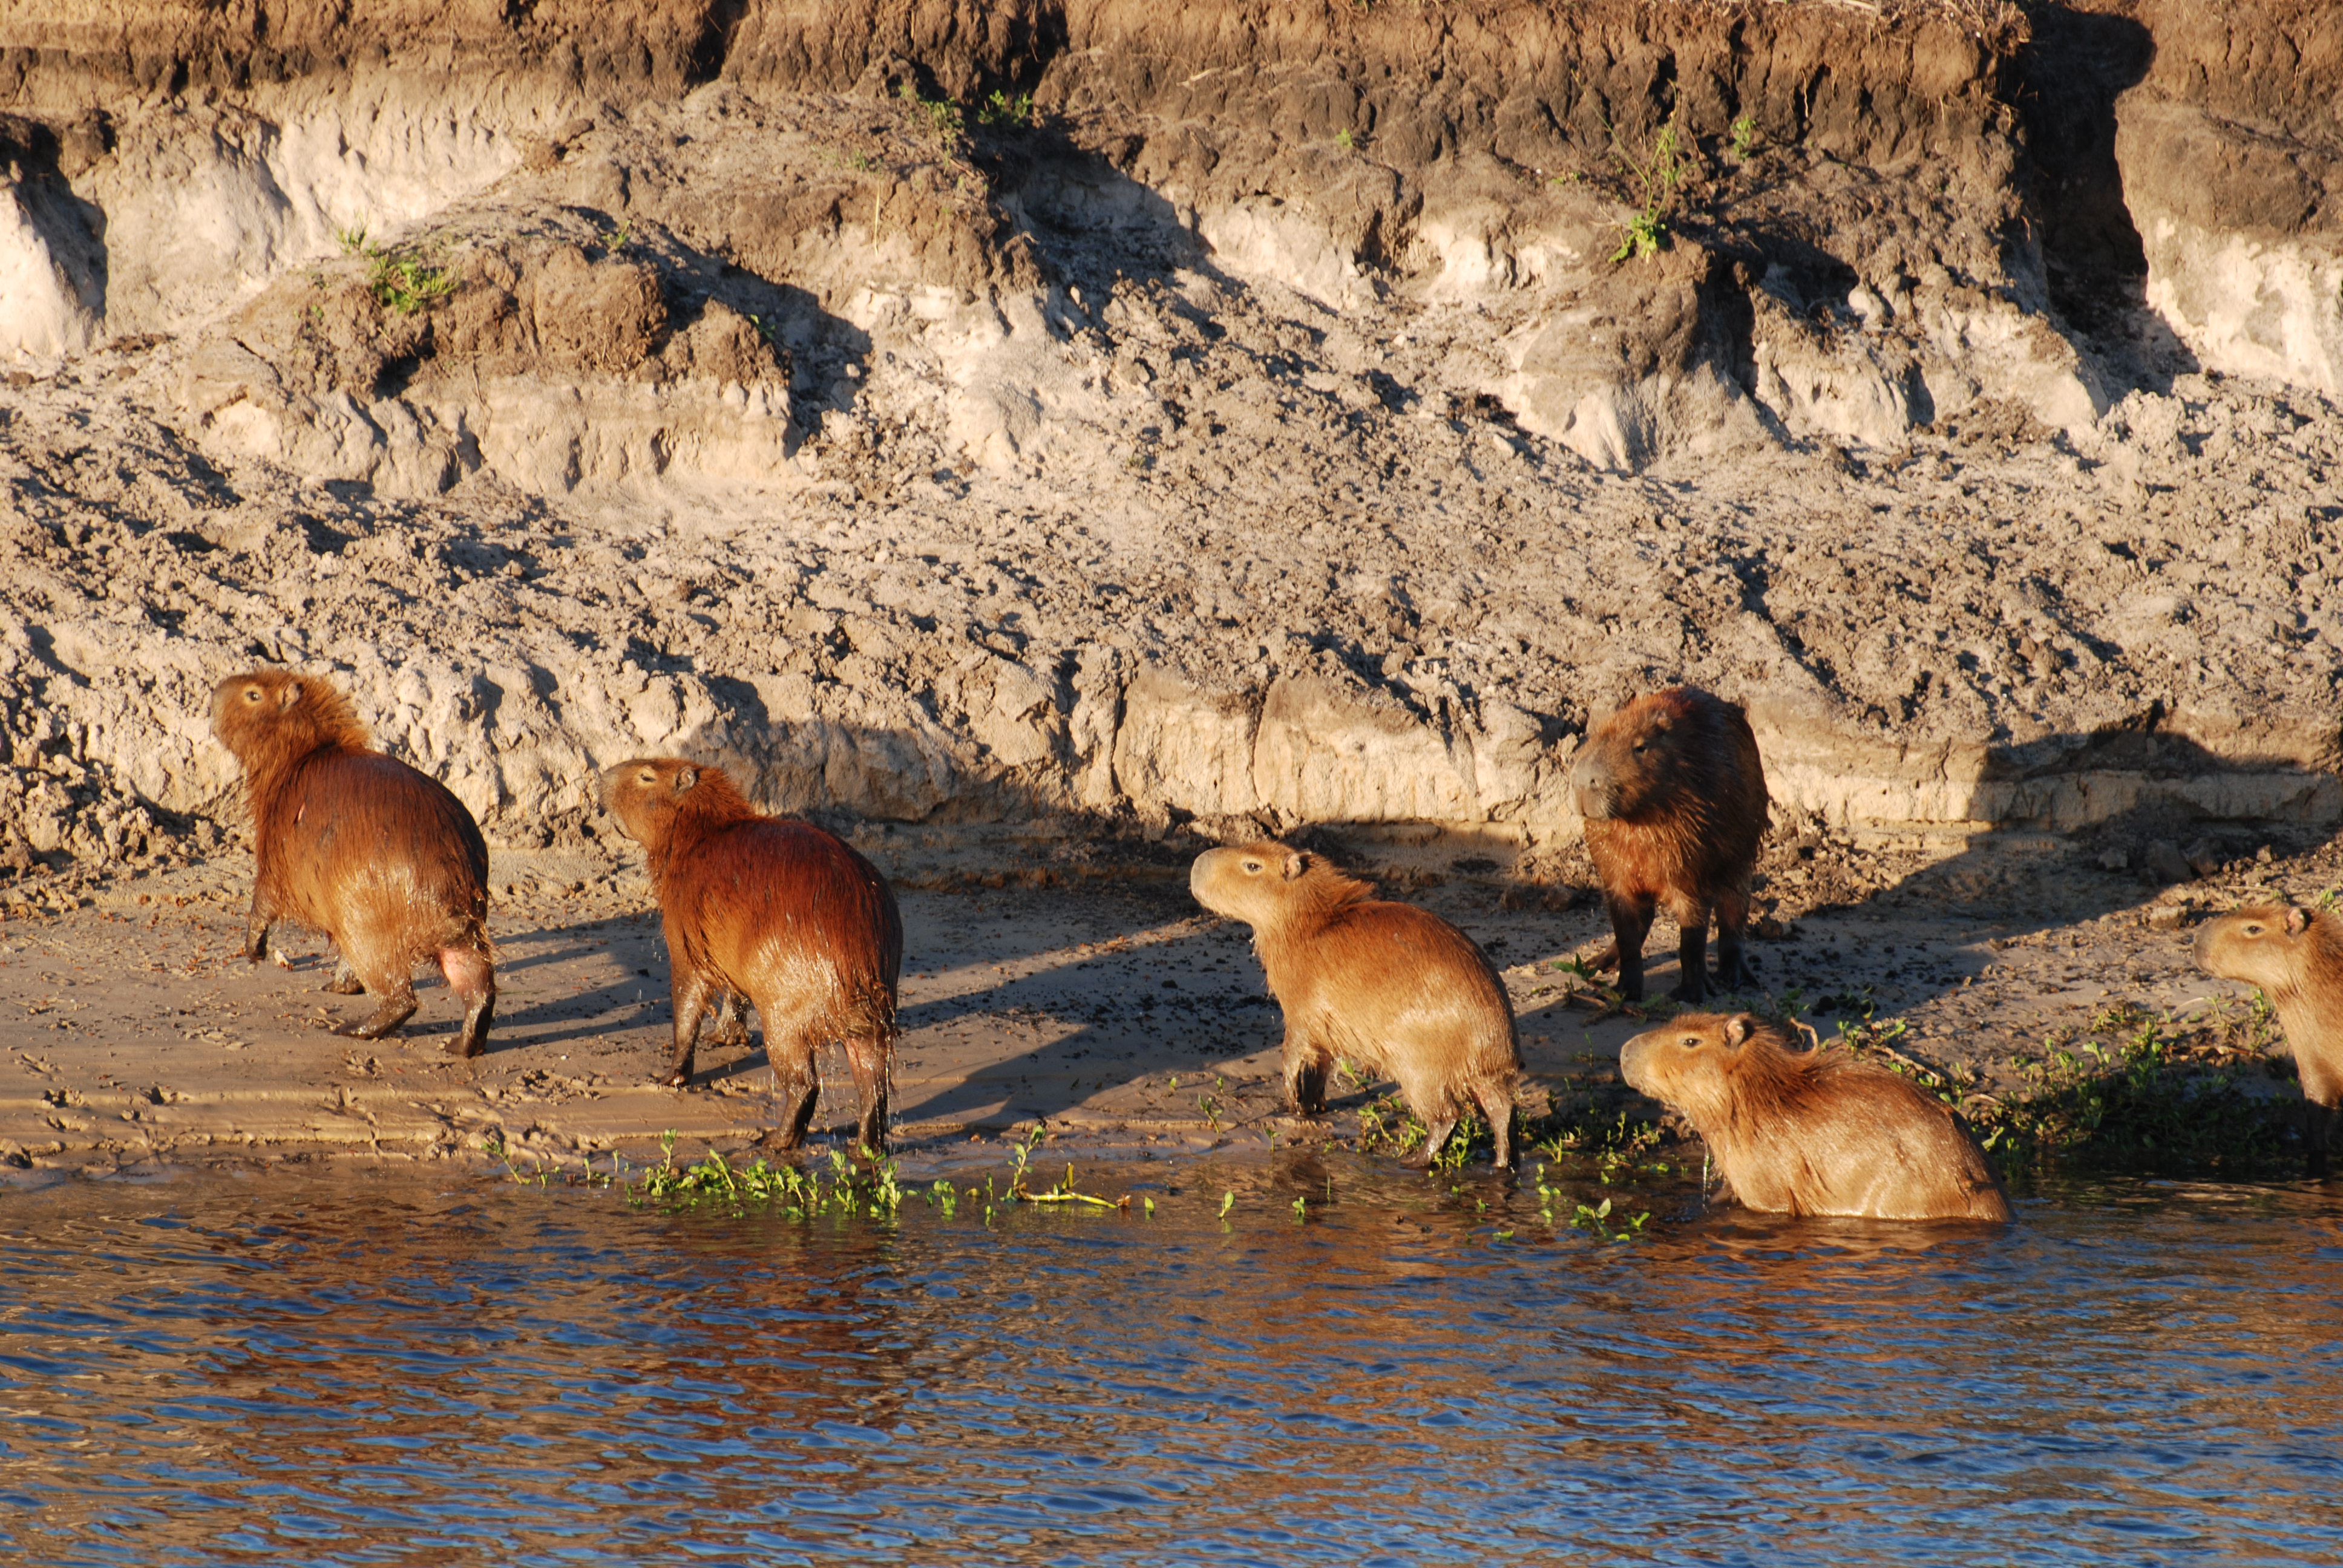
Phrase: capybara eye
(2253, 927)
(1692, 1043)
(1252, 867)
(252, 694)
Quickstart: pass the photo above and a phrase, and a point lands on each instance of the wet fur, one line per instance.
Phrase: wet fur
(359, 846)
(1393, 989)
(2296, 957)
(1677, 824)
(1812, 1132)
(780, 912)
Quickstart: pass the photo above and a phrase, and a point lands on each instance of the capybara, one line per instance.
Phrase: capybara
(1675, 801)
(2296, 957)
(775, 911)
(381, 859)
(1812, 1132)
(1393, 989)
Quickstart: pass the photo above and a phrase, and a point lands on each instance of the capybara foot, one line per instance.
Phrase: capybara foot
(675, 1078)
(778, 1141)
(385, 1020)
(1689, 989)
(872, 1136)
(1605, 956)
(473, 1038)
(345, 981)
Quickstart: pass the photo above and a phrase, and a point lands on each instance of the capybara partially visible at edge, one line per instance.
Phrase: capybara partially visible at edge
(1393, 989)
(348, 841)
(778, 911)
(2296, 957)
(1812, 1132)
(1675, 800)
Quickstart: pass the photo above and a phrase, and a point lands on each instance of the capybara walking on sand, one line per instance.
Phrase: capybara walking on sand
(381, 859)
(778, 911)
(1675, 801)
(1395, 989)
(1812, 1132)
(2296, 957)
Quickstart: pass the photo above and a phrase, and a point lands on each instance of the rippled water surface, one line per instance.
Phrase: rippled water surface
(393, 1367)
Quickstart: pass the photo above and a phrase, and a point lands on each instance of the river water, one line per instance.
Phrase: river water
(415, 1366)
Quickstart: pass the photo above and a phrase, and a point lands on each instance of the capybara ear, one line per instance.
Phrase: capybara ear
(1737, 1030)
(2296, 922)
(1295, 864)
(288, 697)
(685, 777)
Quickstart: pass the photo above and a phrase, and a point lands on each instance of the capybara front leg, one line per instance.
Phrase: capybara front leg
(731, 1025)
(1692, 959)
(1434, 1140)
(691, 993)
(867, 1056)
(473, 978)
(2318, 1135)
(397, 1005)
(1631, 922)
(1305, 1076)
(255, 935)
(345, 981)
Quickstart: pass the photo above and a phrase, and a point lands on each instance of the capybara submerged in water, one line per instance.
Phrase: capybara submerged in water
(1394, 989)
(1812, 1132)
(778, 911)
(2296, 957)
(348, 841)
(1675, 800)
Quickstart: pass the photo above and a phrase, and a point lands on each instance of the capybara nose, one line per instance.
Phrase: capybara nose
(1632, 1058)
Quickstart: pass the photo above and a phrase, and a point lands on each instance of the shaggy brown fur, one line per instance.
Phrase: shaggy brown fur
(381, 859)
(779, 912)
(1394, 989)
(1812, 1132)
(1675, 800)
(2296, 957)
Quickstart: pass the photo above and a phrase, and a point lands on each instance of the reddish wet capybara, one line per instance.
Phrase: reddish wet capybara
(1391, 987)
(1812, 1132)
(778, 911)
(1675, 800)
(378, 857)
(2296, 957)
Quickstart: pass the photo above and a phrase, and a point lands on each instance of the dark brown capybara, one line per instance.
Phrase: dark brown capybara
(1395, 989)
(1812, 1132)
(1674, 796)
(359, 846)
(2296, 957)
(778, 912)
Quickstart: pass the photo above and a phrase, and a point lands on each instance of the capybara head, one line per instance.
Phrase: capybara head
(2265, 946)
(1641, 758)
(1260, 883)
(268, 717)
(1691, 1062)
(649, 795)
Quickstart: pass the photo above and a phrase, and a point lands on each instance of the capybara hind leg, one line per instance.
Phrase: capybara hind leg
(867, 1055)
(1631, 922)
(1498, 1107)
(346, 982)
(796, 1089)
(1434, 1141)
(1692, 959)
(1733, 969)
(256, 936)
(473, 978)
(2318, 1134)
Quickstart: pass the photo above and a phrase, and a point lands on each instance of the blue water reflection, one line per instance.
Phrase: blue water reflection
(395, 1368)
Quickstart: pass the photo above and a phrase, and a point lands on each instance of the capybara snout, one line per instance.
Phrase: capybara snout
(1386, 986)
(1813, 1132)
(380, 857)
(775, 911)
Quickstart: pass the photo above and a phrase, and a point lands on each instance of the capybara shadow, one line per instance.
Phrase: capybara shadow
(2296, 957)
(775, 910)
(382, 860)
(1812, 1132)
(1674, 796)
(1393, 989)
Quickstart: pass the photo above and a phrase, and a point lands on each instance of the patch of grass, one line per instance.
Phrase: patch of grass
(401, 281)
(2134, 1092)
(941, 115)
(1655, 184)
(1006, 109)
(1343, 139)
(1744, 136)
